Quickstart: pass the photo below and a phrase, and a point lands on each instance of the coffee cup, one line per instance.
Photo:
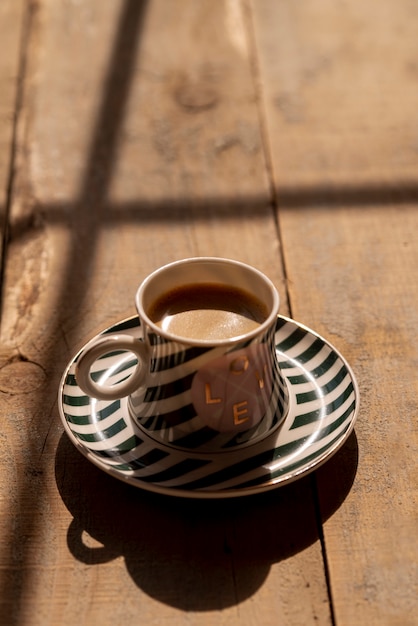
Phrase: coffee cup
(207, 372)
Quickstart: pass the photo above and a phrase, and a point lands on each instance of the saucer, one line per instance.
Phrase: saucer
(323, 407)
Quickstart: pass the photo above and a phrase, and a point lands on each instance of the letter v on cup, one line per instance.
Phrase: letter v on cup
(207, 372)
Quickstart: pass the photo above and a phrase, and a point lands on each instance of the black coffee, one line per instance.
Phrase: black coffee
(209, 311)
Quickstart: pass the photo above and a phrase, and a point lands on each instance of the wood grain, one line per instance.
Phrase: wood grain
(339, 95)
(11, 25)
(138, 143)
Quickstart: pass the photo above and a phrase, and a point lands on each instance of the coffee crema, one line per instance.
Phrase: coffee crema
(208, 311)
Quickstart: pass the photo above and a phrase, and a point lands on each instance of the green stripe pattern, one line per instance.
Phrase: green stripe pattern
(323, 407)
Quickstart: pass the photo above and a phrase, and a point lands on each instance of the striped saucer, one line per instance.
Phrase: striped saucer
(324, 403)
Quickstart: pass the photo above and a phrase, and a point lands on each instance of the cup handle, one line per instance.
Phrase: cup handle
(102, 346)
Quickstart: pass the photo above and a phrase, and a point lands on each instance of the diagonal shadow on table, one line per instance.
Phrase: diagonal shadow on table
(196, 555)
(82, 218)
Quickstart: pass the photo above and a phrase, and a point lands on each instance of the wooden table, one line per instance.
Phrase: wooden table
(280, 133)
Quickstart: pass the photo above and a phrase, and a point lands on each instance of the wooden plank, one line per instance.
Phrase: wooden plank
(11, 15)
(339, 96)
(338, 93)
(139, 143)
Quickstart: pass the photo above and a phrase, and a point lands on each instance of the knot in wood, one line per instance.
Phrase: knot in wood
(18, 377)
(197, 96)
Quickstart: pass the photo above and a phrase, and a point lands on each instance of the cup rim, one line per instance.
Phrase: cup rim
(263, 327)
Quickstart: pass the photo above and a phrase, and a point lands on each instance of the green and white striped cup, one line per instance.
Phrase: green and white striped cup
(207, 368)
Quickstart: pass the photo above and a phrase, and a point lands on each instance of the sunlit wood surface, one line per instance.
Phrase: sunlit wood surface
(280, 133)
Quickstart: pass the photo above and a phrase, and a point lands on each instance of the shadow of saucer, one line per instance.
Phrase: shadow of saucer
(195, 555)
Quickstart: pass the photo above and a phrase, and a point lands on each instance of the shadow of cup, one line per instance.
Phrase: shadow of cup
(194, 554)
